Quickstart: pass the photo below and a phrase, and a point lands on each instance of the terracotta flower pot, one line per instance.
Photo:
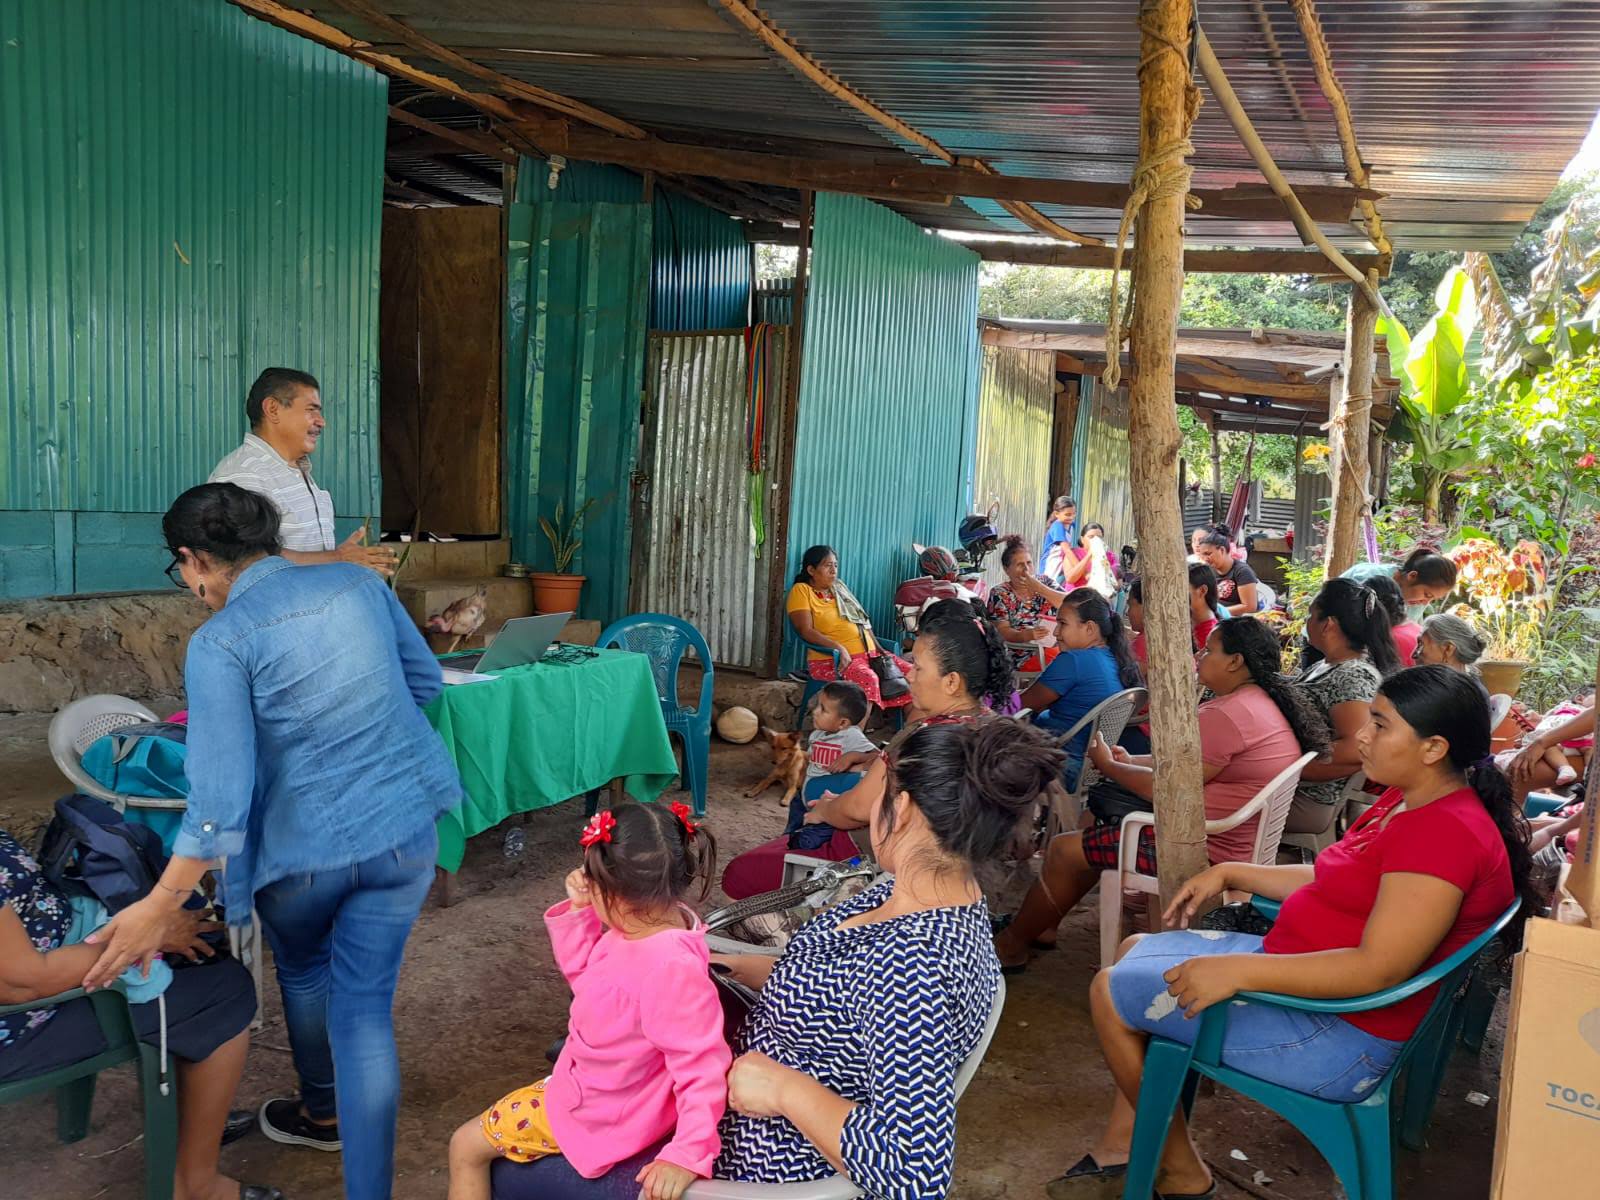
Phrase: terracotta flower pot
(1501, 674)
(554, 593)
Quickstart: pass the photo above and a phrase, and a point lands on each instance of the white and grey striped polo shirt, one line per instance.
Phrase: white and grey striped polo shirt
(305, 509)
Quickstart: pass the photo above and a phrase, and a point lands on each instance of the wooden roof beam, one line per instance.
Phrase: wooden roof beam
(1098, 258)
(510, 86)
(466, 139)
(781, 45)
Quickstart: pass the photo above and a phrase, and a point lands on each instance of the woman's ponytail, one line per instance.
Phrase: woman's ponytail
(1362, 618)
(1093, 609)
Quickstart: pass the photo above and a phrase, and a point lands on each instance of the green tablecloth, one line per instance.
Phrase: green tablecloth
(545, 733)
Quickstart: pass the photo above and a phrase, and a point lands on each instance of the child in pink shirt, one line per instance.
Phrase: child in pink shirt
(645, 1055)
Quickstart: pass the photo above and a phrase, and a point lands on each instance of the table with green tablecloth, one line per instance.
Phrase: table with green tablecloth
(547, 732)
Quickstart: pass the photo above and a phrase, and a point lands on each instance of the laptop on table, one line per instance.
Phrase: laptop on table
(521, 640)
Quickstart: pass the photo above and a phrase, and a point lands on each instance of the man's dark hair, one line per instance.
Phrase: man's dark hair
(279, 383)
(849, 699)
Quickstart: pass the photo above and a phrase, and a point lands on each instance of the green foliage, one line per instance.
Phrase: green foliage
(1273, 464)
(563, 538)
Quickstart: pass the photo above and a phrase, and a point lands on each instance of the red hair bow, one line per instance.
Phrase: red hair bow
(681, 811)
(598, 829)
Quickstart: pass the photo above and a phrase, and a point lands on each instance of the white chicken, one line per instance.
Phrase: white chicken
(463, 617)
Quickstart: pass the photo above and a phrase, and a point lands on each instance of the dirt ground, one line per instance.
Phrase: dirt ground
(464, 1041)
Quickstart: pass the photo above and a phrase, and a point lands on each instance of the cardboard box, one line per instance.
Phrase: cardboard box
(1547, 1143)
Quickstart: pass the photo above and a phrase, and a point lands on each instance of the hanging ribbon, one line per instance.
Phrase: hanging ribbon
(758, 356)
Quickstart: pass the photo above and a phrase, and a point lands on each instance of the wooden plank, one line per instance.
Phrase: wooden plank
(505, 83)
(478, 143)
(1216, 262)
(439, 342)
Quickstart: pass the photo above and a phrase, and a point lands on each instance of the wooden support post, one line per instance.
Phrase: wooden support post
(1166, 93)
(1349, 430)
(783, 469)
(1216, 472)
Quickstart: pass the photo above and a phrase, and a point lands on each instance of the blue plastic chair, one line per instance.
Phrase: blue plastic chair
(663, 640)
(814, 685)
(1356, 1139)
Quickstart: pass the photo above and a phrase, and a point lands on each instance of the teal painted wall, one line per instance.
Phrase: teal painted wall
(187, 195)
(700, 265)
(888, 396)
(579, 293)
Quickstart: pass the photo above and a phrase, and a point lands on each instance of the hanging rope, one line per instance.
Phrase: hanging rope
(1161, 173)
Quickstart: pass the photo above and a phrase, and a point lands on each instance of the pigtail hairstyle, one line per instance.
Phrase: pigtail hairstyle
(965, 642)
(974, 782)
(1362, 619)
(1258, 645)
(652, 857)
(1431, 567)
(1439, 702)
(1093, 608)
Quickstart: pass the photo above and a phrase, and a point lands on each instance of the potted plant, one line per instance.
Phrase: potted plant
(558, 591)
(1508, 602)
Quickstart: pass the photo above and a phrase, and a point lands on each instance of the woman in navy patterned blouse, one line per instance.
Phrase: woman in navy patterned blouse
(849, 1059)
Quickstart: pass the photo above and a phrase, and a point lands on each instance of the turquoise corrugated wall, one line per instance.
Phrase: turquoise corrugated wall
(888, 396)
(579, 289)
(700, 267)
(187, 195)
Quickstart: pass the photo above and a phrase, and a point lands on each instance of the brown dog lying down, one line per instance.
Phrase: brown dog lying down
(788, 765)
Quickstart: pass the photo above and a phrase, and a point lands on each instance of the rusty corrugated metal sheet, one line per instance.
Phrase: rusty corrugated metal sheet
(700, 559)
(1016, 416)
(1104, 481)
(1313, 493)
(887, 395)
(187, 196)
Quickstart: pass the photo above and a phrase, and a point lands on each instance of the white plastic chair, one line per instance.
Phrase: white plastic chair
(1271, 803)
(84, 722)
(1499, 707)
(837, 1187)
(1108, 718)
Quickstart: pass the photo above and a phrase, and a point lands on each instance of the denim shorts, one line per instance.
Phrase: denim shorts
(1320, 1054)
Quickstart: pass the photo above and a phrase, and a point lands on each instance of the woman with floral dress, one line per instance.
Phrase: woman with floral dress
(207, 1014)
(1023, 608)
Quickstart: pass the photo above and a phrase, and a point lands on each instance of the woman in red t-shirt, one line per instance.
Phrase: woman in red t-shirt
(1429, 867)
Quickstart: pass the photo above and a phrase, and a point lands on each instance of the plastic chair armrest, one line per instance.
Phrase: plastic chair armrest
(1237, 818)
(7, 1010)
(1267, 908)
(838, 672)
(1128, 841)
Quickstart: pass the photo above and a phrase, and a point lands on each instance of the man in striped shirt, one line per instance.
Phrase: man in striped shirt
(285, 411)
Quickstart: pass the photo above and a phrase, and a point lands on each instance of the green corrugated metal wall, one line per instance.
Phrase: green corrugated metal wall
(700, 266)
(888, 395)
(187, 195)
(579, 284)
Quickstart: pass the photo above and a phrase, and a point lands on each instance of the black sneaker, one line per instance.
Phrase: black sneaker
(283, 1121)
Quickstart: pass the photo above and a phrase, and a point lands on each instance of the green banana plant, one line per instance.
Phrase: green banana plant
(1437, 375)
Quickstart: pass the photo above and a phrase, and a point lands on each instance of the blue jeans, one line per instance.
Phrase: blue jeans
(1320, 1054)
(338, 937)
(810, 837)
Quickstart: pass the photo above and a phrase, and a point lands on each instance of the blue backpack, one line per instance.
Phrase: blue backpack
(90, 849)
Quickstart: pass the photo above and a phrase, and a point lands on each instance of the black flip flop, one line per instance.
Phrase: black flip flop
(1088, 1166)
(1209, 1194)
(1085, 1179)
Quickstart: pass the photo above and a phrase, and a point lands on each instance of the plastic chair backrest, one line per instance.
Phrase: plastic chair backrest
(1278, 795)
(1108, 718)
(82, 723)
(1499, 707)
(663, 639)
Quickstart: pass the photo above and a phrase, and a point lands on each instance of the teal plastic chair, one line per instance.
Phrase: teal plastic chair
(663, 640)
(814, 685)
(1356, 1139)
(74, 1086)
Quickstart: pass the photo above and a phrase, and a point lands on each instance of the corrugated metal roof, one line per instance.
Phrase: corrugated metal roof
(888, 378)
(187, 196)
(1468, 110)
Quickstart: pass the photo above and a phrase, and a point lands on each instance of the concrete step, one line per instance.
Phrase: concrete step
(455, 560)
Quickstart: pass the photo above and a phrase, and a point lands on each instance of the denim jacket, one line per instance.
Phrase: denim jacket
(308, 750)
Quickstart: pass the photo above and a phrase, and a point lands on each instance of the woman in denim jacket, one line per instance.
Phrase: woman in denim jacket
(314, 774)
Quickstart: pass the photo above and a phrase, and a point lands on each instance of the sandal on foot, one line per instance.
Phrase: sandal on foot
(1209, 1194)
(1089, 1186)
(1088, 1166)
(258, 1191)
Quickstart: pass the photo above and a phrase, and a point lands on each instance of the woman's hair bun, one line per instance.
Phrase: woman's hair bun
(224, 520)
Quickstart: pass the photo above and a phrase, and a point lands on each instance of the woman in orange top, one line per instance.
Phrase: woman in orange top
(825, 613)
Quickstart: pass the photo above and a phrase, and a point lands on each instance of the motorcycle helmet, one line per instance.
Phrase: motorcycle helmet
(937, 562)
(977, 534)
